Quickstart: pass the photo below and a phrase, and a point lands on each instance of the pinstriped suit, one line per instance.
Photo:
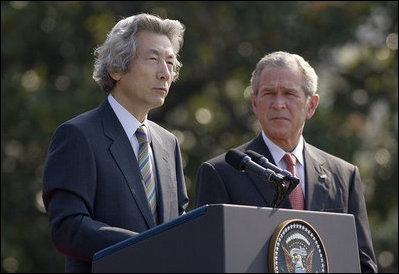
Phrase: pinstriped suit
(331, 185)
(92, 186)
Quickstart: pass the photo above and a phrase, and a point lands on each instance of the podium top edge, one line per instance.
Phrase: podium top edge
(150, 232)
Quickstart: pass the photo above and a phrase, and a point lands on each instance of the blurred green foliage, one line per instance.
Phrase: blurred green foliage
(46, 67)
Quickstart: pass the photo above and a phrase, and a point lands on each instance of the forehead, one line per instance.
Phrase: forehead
(280, 76)
(150, 42)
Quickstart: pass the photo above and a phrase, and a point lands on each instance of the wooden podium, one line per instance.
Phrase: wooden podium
(227, 238)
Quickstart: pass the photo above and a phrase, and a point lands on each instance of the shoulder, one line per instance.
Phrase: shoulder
(220, 159)
(81, 124)
(160, 131)
(162, 137)
(90, 116)
(324, 157)
(83, 121)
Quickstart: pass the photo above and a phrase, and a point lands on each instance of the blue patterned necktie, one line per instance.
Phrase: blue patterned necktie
(145, 165)
(296, 196)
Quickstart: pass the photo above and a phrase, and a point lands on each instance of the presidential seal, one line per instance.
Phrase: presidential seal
(295, 247)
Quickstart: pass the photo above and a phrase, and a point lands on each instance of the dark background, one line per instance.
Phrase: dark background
(47, 63)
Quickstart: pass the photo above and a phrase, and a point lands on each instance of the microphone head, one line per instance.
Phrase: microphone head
(255, 156)
(236, 158)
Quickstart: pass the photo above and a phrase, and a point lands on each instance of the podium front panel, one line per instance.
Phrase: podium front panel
(226, 238)
(249, 229)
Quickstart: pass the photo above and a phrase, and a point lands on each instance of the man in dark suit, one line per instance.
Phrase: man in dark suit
(283, 97)
(93, 188)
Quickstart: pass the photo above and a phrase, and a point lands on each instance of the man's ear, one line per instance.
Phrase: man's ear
(253, 102)
(312, 105)
(116, 76)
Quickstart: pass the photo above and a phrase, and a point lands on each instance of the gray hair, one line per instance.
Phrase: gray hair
(115, 53)
(286, 60)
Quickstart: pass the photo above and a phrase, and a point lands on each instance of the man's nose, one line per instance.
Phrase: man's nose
(279, 101)
(163, 71)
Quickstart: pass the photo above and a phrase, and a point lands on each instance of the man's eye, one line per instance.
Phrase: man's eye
(266, 93)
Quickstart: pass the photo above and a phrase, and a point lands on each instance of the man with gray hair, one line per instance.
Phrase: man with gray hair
(283, 97)
(111, 173)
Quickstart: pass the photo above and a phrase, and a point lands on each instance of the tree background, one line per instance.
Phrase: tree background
(46, 68)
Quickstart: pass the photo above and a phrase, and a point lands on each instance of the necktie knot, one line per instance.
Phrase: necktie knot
(290, 160)
(141, 134)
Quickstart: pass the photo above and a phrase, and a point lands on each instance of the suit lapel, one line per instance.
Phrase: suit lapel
(318, 179)
(123, 154)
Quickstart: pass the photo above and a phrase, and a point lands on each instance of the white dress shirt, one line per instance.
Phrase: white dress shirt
(130, 124)
(278, 154)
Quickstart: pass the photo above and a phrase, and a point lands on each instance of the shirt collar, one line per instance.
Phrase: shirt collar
(278, 153)
(128, 121)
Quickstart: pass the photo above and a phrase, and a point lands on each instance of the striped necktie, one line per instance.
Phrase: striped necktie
(146, 170)
(296, 196)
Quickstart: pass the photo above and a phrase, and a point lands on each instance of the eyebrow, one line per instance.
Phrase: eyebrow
(283, 88)
(156, 52)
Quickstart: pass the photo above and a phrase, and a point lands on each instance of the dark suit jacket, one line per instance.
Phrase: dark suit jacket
(331, 185)
(92, 186)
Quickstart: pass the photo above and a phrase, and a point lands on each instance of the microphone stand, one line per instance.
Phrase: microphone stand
(283, 190)
(279, 195)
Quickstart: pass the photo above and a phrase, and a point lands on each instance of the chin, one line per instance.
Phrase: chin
(158, 103)
(277, 134)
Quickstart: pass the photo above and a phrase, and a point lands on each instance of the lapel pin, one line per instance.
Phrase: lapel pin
(323, 177)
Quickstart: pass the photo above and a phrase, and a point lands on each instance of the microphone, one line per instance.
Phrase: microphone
(263, 161)
(243, 162)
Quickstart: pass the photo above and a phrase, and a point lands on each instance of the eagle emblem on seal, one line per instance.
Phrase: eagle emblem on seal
(298, 261)
(296, 247)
